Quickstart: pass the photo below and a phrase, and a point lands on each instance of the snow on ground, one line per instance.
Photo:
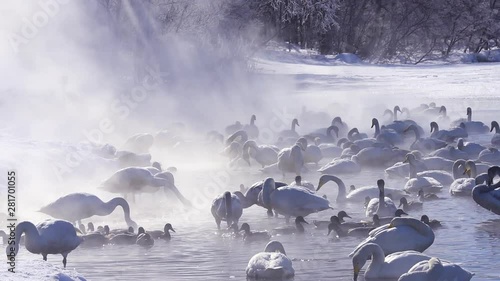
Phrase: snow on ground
(34, 270)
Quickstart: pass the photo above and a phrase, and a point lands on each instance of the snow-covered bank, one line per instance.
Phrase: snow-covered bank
(34, 270)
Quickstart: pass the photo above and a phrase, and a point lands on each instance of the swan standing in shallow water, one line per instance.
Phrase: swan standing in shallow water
(382, 267)
(48, 237)
(434, 269)
(139, 180)
(488, 195)
(77, 206)
(263, 154)
(271, 264)
(402, 234)
(226, 207)
(291, 201)
(382, 206)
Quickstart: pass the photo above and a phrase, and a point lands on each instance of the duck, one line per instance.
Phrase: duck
(271, 264)
(251, 129)
(378, 221)
(297, 229)
(434, 269)
(226, 207)
(434, 224)
(495, 140)
(290, 133)
(418, 236)
(361, 231)
(422, 197)
(384, 267)
(382, 206)
(415, 183)
(410, 206)
(145, 240)
(253, 235)
(165, 234)
(358, 194)
(324, 224)
(488, 195)
(95, 239)
(77, 206)
(262, 154)
(291, 201)
(134, 180)
(52, 236)
(126, 238)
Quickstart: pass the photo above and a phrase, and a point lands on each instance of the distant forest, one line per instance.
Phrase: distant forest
(375, 30)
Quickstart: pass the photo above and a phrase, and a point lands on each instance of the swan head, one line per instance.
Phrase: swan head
(403, 202)
(156, 165)
(409, 158)
(494, 124)
(295, 122)
(492, 172)
(374, 122)
(337, 120)
(342, 214)
(90, 227)
(376, 219)
(245, 227)
(397, 109)
(106, 229)
(352, 187)
(168, 227)
(469, 111)
(333, 226)
(140, 230)
(302, 142)
(442, 109)
(333, 128)
(242, 188)
(300, 219)
(424, 219)
(130, 229)
(253, 118)
(434, 127)
(380, 184)
(298, 180)
(399, 212)
(341, 142)
(275, 246)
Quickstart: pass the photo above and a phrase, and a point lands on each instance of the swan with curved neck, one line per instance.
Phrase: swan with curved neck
(382, 267)
(424, 144)
(417, 236)
(434, 269)
(416, 183)
(386, 135)
(48, 237)
(358, 194)
(242, 135)
(134, 180)
(77, 206)
(263, 154)
(488, 195)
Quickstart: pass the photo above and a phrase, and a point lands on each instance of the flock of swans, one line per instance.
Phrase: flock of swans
(434, 162)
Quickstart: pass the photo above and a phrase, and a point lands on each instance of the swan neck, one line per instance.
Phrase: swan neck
(118, 201)
(33, 238)
(377, 128)
(456, 165)
(413, 170)
(378, 257)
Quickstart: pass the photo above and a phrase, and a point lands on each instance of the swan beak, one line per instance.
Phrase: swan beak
(391, 225)
(406, 160)
(467, 171)
(319, 186)
(356, 272)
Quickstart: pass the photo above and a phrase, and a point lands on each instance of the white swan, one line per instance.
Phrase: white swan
(291, 160)
(251, 129)
(263, 154)
(134, 180)
(450, 153)
(490, 155)
(312, 154)
(226, 207)
(488, 195)
(495, 140)
(231, 129)
(472, 127)
(472, 149)
(402, 234)
(270, 264)
(290, 133)
(359, 194)
(48, 237)
(291, 201)
(341, 166)
(416, 183)
(434, 269)
(464, 186)
(386, 135)
(382, 206)
(382, 267)
(448, 135)
(325, 138)
(77, 206)
(424, 144)
(298, 182)
(139, 143)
